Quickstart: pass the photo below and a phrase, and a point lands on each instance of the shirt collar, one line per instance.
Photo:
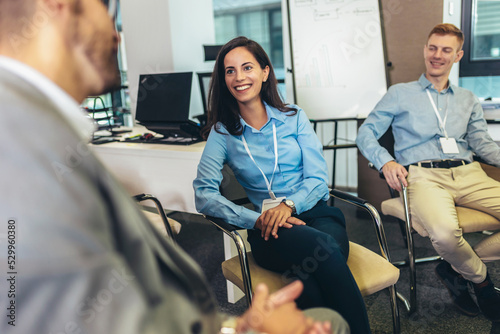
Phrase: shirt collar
(425, 83)
(272, 113)
(68, 108)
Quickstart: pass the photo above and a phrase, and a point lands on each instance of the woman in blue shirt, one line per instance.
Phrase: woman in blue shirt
(277, 158)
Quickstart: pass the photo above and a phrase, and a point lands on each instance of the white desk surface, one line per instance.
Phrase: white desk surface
(164, 171)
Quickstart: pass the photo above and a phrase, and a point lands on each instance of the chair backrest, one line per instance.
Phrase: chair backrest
(369, 183)
(204, 82)
(231, 189)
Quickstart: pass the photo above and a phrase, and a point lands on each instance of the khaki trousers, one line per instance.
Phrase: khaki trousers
(433, 194)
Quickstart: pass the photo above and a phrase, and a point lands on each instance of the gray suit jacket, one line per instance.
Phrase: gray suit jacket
(86, 259)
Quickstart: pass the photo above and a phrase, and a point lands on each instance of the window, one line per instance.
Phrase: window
(113, 107)
(259, 20)
(481, 27)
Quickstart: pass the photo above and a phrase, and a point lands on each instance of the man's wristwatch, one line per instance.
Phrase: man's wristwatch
(290, 204)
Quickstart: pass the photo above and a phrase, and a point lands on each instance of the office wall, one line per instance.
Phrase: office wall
(166, 36)
(406, 25)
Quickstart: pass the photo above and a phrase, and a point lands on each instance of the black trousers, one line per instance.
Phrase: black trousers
(316, 254)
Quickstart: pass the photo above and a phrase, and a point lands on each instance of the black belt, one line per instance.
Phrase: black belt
(441, 163)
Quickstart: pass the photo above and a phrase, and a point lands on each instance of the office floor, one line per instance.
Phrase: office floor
(435, 312)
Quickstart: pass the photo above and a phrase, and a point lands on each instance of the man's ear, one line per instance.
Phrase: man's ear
(460, 54)
(53, 5)
(56, 7)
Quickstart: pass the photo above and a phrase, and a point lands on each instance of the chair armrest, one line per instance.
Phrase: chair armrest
(140, 197)
(222, 225)
(241, 201)
(347, 197)
(144, 197)
(377, 221)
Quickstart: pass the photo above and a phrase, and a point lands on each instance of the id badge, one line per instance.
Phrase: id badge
(271, 203)
(449, 145)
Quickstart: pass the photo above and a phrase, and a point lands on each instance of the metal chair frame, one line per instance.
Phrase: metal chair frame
(411, 306)
(144, 197)
(232, 232)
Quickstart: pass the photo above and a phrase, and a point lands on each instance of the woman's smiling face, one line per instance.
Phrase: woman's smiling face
(243, 75)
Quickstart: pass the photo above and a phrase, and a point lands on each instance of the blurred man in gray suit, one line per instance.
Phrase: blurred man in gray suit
(77, 256)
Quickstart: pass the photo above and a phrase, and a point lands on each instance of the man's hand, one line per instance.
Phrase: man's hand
(277, 313)
(393, 173)
(271, 220)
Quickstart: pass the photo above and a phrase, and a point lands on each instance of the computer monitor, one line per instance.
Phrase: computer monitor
(163, 104)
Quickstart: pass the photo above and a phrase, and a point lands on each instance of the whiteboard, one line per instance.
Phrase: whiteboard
(337, 56)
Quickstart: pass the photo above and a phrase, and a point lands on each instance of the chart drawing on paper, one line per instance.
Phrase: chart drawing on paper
(338, 59)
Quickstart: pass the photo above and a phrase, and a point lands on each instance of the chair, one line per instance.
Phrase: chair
(204, 82)
(168, 227)
(470, 220)
(371, 271)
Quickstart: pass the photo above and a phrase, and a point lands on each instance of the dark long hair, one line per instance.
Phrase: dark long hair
(222, 106)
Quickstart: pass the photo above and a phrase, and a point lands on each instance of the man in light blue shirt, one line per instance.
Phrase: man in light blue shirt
(437, 129)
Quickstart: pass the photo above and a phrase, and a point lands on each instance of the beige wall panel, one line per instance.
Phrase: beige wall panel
(406, 25)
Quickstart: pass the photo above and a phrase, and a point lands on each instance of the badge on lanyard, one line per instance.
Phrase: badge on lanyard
(270, 203)
(448, 145)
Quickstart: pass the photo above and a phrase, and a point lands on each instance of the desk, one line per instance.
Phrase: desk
(165, 171)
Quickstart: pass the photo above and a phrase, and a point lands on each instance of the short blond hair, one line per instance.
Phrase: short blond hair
(448, 29)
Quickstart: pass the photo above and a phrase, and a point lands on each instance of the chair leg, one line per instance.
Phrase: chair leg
(245, 268)
(412, 306)
(381, 237)
(384, 249)
(402, 227)
(411, 255)
(396, 325)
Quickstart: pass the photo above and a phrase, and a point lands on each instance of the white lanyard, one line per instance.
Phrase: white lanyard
(442, 123)
(275, 161)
